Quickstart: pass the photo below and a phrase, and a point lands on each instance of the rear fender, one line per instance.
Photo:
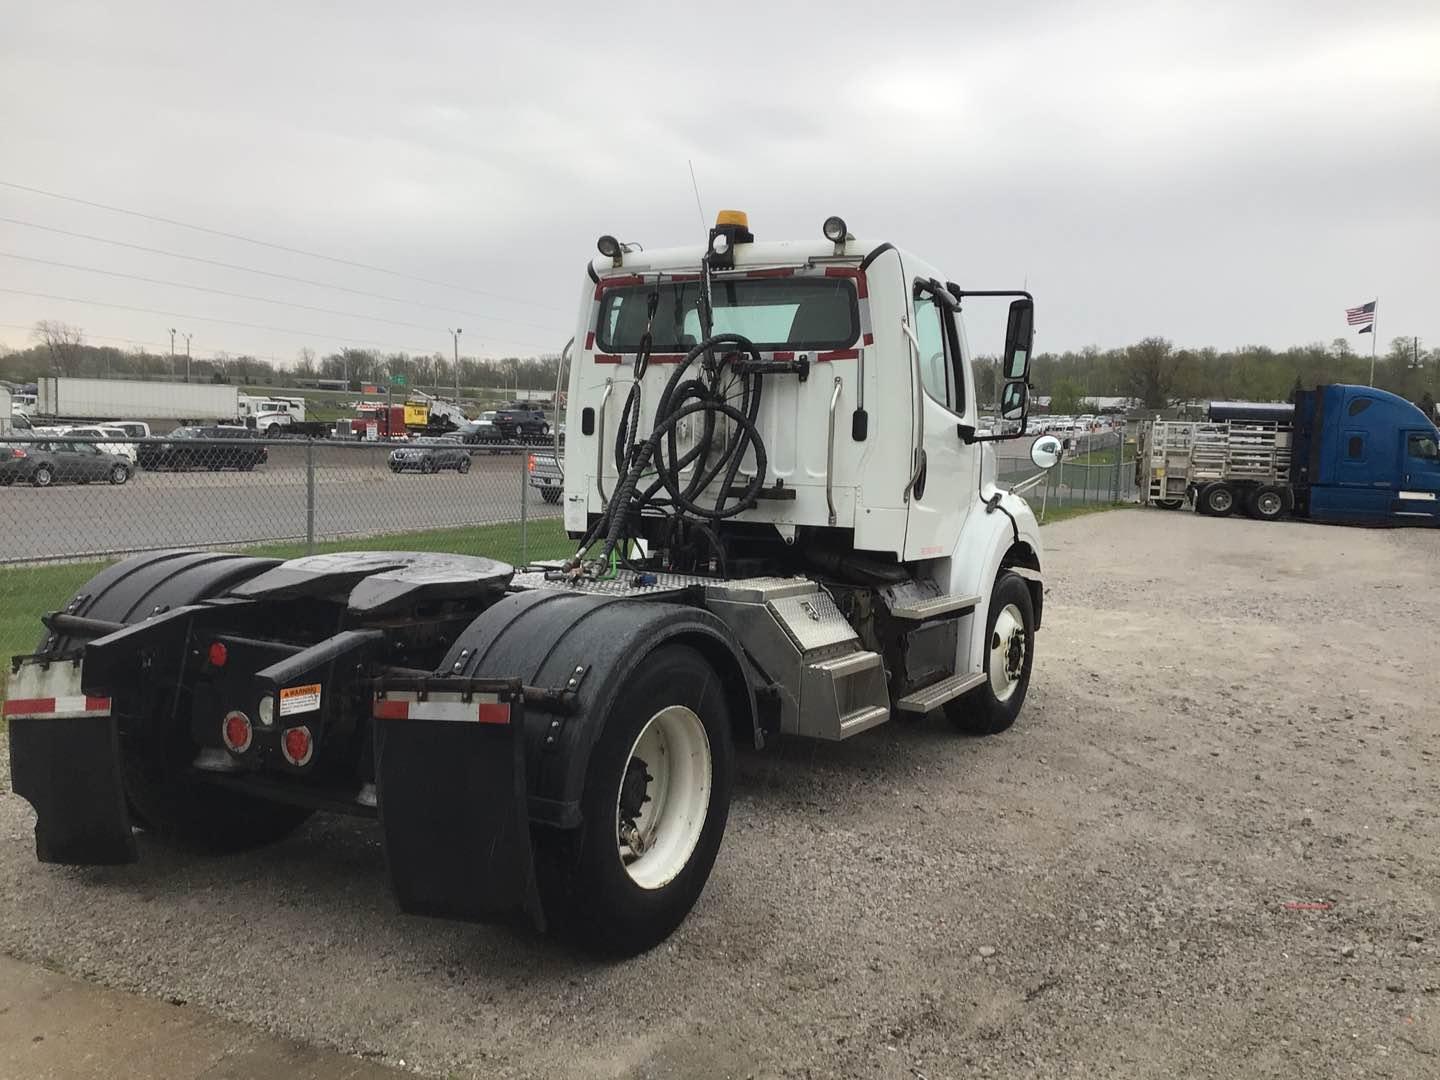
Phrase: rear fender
(66, 762)
(549, 638)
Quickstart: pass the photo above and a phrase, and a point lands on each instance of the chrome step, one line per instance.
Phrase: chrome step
(843, 696)
(852, 723)
(934, 606)
(937, 694)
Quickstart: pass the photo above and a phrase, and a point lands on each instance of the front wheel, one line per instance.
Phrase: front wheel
(463, 465)
(119, 474)
(657, 793)
(1009, 652)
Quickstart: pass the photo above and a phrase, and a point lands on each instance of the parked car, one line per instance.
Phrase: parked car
(120, 445)
(521, 420)
(546, 477)
(481, 430)
(135, 429)
(58, 462)
(430, 455)
(191, 448)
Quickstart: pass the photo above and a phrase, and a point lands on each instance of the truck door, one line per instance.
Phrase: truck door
(1418, 494)
(945, 480)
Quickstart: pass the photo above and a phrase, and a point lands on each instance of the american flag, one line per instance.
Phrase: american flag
(1362, 315)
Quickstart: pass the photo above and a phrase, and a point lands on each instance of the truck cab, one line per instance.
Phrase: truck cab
(1365, 456)
(787, 525)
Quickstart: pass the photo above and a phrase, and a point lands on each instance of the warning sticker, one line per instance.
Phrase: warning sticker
(298, 699)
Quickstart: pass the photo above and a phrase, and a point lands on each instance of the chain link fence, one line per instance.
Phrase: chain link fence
(71, 505)
(1096, 469)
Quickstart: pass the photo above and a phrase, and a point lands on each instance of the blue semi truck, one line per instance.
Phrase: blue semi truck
(1347, 454)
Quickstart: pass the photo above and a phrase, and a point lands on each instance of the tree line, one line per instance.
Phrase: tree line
(1153, 372)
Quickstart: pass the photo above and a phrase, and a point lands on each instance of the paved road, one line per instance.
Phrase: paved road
(355, 495)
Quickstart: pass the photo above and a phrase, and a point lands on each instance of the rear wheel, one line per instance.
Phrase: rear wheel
(43, 476)
(427, 466)
(1009, 652)
(657, 793)
(1217, 500)
(550, 494)
(464, 464)
(119, 474)
(169, 801)
(1265, 503)
(1169, 504)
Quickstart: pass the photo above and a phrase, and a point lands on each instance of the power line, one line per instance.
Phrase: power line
(272, 274)
(217, 292)
(263, 243)
(227, 322)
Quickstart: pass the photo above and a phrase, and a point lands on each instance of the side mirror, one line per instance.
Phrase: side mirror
(1045, 452)
(1013, 400)
(1019, 337)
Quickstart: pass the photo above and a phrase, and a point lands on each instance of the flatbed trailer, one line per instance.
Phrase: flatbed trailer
(792, 536)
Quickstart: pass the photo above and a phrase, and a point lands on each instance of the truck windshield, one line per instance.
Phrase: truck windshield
(774, 313)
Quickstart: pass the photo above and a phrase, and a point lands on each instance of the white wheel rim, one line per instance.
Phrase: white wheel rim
(1007, 652)
(1269, 503)
(675, 752)
(1221, 500)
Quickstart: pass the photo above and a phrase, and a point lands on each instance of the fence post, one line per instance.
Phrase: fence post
(524, 506)
(309, 496)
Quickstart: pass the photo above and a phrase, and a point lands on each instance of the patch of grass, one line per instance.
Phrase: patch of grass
(1105, 456)
(1065, 513)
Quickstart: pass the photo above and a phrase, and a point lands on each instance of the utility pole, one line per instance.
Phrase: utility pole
(172, 353)
(187, 357)
(455, 342)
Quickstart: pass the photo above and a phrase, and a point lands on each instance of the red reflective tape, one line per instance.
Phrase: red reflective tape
(494, 714)
(862, 287)
(616, 282)
(606, 358)
(869, 339)
(392, 710)
(838, 354)
(95, 704)
(784, 357)
(29, 706)
(779, 271)
(667, 358)
(590, 340)
(683, 277)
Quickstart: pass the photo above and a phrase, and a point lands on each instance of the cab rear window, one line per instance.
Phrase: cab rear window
(774, 313)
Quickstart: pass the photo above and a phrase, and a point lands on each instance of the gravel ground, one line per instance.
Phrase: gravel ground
(1228, 719)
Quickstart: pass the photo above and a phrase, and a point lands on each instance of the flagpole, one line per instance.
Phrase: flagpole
(1374, 333)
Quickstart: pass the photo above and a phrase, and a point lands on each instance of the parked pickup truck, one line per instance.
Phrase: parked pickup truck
(546, 477)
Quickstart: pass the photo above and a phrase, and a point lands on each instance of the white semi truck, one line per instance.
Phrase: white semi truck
(62, 398)
(787, 526)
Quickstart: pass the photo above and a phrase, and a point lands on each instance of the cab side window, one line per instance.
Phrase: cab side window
(1422, 445)
(934, 365)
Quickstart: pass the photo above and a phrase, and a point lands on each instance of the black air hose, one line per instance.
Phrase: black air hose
(706, 397)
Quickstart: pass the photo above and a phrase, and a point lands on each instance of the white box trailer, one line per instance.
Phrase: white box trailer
(66, 398)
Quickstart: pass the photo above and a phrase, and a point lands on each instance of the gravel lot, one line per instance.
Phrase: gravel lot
(1227, 718)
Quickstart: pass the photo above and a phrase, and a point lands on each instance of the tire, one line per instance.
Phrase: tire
(550, 495)
(1169, 504)
(993, 706)
(464, 464)
(591, 894)
(1266, 503)
(1217, 500)
(170, 803)
(43, 476)
(119, 474)
(273, 431)
(544, 430)
(427, 466)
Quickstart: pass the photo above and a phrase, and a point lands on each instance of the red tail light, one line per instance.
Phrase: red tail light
(217, 654)
(236, 732)
(15, 451)
(297, 745)
(532, 462)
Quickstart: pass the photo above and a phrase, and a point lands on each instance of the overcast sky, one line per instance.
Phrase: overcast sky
(1215, 173)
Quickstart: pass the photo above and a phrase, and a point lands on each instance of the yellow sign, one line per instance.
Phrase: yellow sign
(417, 415)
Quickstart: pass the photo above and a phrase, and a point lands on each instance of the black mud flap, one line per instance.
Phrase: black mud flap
(450, 784)
(68, 769)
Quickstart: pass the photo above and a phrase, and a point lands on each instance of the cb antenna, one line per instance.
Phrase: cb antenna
(700, 209)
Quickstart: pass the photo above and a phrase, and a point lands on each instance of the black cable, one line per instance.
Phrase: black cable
(685, 397)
